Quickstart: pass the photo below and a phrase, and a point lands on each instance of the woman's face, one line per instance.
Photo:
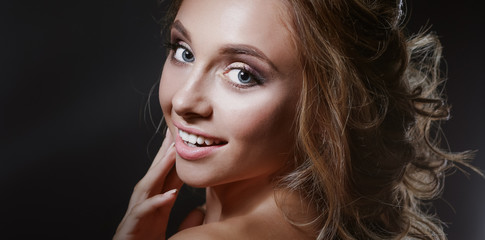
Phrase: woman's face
(229, 90)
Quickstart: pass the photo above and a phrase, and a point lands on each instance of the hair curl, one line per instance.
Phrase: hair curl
(368, 124)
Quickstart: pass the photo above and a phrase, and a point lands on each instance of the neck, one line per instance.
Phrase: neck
(237, 199)
(260, 199)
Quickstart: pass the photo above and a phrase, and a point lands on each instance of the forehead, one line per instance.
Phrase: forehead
(227, 13)
(262, 23)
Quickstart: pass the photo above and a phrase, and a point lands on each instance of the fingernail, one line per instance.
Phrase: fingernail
(173, 191)
(171, 145)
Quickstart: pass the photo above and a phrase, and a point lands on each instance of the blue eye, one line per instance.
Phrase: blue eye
(240, 76)
(182, 53)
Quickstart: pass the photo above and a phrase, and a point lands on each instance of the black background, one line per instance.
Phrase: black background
(75, 136)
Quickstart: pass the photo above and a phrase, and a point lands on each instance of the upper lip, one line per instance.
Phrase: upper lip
(196, 132)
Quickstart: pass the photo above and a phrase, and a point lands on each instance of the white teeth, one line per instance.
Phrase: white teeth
(192, 139)
(183, 135)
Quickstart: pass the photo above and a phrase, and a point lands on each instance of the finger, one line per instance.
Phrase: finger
(155, 203)
(195, 218)
(172, 181)
(168, 141)
(153, 181)
(157, 174)
(157, 207)
(155, 177)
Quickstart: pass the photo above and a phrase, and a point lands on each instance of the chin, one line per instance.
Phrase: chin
(194, 183)
(193, 179)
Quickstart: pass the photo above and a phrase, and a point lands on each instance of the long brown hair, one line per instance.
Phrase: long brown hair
(368, 125)
(368, 152)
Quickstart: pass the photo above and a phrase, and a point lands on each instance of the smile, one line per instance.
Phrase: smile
(193, 140)
(190, 146)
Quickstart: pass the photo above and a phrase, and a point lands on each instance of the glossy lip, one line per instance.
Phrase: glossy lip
(194, 153)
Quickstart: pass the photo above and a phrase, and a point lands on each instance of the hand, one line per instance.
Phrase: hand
(152, 198)
(195, 218)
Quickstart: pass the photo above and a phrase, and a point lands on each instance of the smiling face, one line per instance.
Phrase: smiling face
(229, 90)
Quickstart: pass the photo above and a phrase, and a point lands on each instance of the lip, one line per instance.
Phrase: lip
(194, 153)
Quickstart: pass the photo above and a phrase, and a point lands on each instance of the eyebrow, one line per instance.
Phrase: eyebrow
(180, 28)
(229, 49)
(243, 49)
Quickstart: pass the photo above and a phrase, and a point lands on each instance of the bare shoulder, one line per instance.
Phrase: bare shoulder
(264, 222)
(242, 228)
(203, 232)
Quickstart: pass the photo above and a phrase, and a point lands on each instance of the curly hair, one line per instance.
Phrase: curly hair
(368, 153)
(368, 126)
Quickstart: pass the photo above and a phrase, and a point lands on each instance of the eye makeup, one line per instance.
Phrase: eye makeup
(242, 75)
(240, 65)
(180, 52)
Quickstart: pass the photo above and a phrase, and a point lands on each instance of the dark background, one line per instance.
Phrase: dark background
(75, 136)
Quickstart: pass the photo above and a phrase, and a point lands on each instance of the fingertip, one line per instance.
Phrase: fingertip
(168, 134)
(170, 197)
(171, 192)
(165, 198)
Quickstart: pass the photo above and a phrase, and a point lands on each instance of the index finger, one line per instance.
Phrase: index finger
(167, 142)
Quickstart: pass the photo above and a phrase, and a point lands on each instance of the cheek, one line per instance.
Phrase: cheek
(263, 121)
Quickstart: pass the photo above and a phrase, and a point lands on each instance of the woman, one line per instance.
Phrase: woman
(306, 119)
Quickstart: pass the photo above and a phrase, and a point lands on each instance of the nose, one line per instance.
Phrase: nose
(192, 100)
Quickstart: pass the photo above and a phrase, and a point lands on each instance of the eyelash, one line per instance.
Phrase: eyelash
(257, 78)
(172, 47)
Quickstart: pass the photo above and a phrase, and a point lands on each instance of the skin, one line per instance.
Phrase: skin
(201, 92)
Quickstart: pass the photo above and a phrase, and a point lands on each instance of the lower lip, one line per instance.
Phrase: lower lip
(193, 153)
